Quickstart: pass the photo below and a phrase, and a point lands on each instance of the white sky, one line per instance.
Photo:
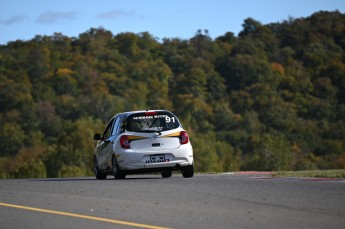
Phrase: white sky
(24, 19)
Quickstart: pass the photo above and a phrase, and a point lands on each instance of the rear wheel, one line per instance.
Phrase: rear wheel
(166, 173)
(117, 172)
(99, 175)
(188, 171)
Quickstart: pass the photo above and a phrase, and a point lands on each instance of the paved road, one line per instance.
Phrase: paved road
(205, 201)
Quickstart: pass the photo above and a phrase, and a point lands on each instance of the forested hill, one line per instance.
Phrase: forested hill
(270, 98)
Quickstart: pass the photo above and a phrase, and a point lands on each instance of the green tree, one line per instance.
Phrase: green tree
(11, 138)
(271, 152)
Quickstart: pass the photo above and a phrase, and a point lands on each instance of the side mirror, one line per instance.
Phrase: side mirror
(97, 137)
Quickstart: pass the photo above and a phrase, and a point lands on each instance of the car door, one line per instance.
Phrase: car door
(108, 149)
(114, 134)
(104, 145)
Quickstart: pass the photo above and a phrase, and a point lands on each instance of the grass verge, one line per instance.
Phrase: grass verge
(338, 173)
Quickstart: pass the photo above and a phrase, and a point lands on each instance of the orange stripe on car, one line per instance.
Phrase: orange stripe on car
(132, 138)
(176, 134)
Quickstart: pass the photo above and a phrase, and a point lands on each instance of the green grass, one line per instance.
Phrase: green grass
(339, 173)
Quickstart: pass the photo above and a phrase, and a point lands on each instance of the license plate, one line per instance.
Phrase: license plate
(160, 158)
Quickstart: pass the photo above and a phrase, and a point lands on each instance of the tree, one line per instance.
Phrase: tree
(11, 138)
(271, 153)
(250, 25)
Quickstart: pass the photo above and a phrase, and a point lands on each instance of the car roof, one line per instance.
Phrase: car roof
(127, 113)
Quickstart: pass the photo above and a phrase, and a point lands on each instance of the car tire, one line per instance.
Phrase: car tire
(166, 173)
(117, 172)
(188, 171)
(99, 175)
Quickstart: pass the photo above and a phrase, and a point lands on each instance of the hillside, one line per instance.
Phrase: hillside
(271, 98)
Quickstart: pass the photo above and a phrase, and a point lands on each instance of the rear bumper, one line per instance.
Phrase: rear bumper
(154, 169)
(137, 161)
(165, 165)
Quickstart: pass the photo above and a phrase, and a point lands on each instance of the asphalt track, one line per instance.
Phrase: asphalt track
(242, 200)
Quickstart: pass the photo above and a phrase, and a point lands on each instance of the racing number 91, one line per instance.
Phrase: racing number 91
(168, 119)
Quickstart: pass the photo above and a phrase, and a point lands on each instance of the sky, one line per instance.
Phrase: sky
(24, 19)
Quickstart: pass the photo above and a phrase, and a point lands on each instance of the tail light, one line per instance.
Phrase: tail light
(184, 138)
(124, 142)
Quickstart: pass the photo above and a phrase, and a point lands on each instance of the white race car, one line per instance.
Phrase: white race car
(141, 142)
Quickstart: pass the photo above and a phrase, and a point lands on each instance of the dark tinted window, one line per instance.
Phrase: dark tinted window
(116, 126)
(108, 129)
(151, 122)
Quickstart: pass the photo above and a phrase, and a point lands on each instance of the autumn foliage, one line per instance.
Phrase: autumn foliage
(271, 98)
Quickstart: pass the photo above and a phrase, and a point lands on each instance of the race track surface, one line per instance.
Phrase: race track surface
(242, 200)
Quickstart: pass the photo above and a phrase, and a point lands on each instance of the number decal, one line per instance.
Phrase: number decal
(168, 119)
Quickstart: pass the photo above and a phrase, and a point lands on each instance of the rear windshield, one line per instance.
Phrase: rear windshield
(152, 122)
